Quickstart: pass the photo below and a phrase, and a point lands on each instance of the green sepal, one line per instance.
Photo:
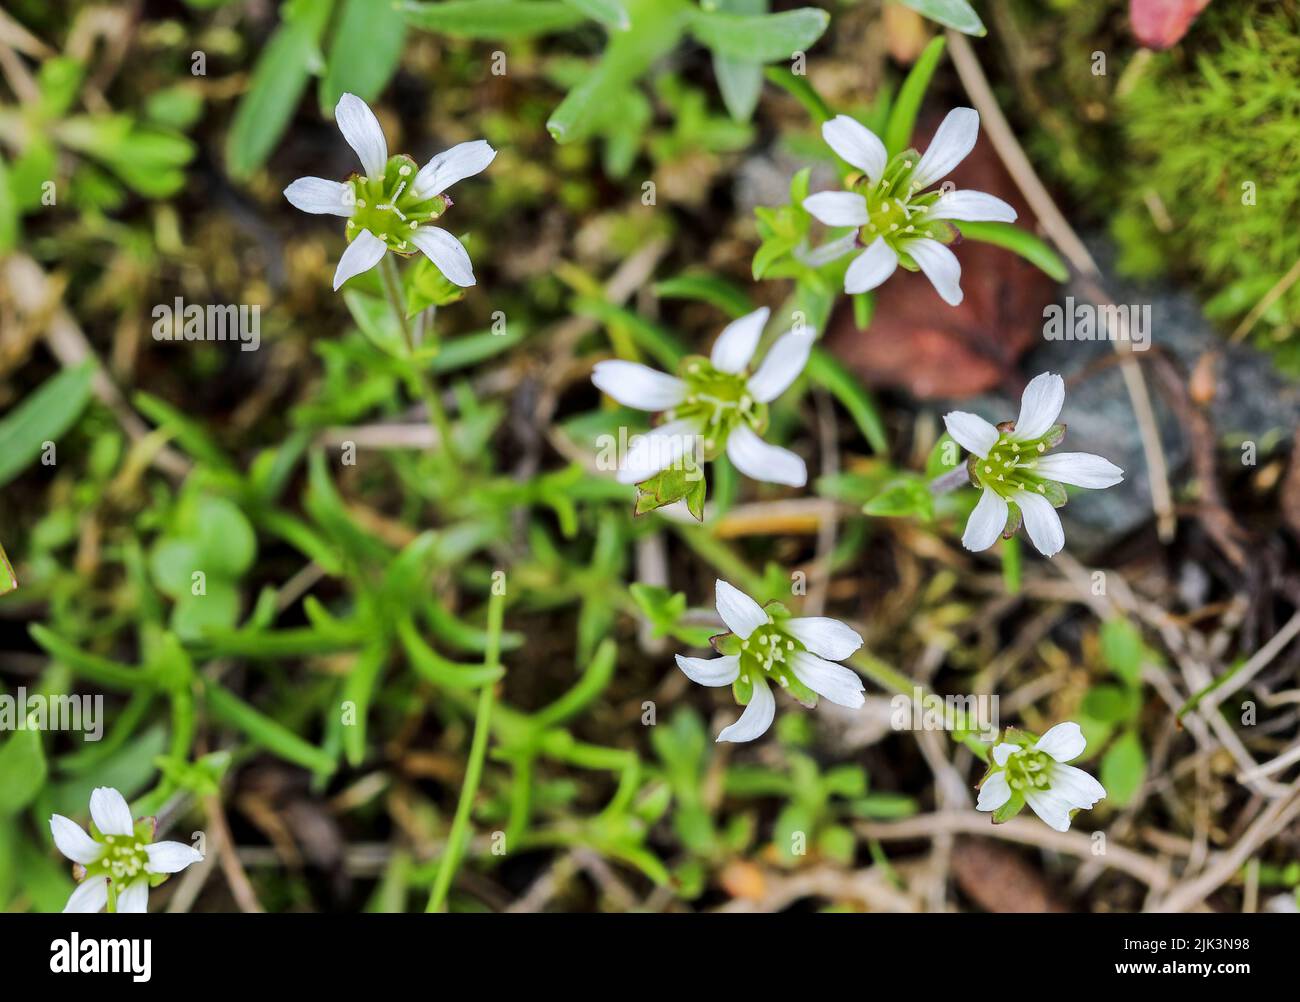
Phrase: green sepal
(1055, 493)
(1054, 436)
(672, 485)
(1010, 809)
(1014, 518)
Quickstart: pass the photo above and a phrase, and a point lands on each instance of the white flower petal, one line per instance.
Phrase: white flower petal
(71, 840)
(1082, 469)
(710, 671)
(782, 364)
(856, 145)
(1064, 742)
(994, 792)
(972, 207)
(826, 678)
(941, 267)
(361, 255)
(735, 345)
(658, 449)
(447, 253)
(1041, 522)
(316, 195)
(1075, 786)
(635, 385)
(361, 129)
(838, 208)
(761, 460)
(461, 161)
(870, 268)
(740, 612)
(135, 898)
(170, 857)
(110, 812)
(830, 251)
(88, 897)
(1040, 406)
(1003, 751)
(971, 432)
(986, 522)
(757, 717)
(825, 637)
(1051, 807)
(955, 138)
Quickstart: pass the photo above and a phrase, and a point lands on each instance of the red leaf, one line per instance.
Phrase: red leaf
(1158, 24)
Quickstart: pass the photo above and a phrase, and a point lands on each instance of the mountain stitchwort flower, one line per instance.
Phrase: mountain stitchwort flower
(1036, 774)
(713, 401)
(121, 856)
(392, 205)
(896, 219)
(1019, 481)
(767, 644)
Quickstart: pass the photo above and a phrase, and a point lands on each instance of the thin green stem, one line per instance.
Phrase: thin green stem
(421, 382)
(459, 835)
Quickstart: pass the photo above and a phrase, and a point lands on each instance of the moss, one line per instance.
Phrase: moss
(1213, 174)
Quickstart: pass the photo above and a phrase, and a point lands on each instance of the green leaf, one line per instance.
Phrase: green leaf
(1123, 768)
(764, 38)
(628, 55)
(1021, 242)
(740, 83)
(42, 417)
(22, 770)
(8, 580)
(802, 91)
(278, 80)
(902, 116)
(8, 209)
(225, 540)
(263, 731)
(1122, 649)
(957, 14)
(611, 13)
(1112, 703)
(905, 497)
(364, 51)
(825, 370)
(719, 292)
(493, 18)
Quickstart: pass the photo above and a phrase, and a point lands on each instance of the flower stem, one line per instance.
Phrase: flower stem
(421, 382)
(459, 834)
(955, 478)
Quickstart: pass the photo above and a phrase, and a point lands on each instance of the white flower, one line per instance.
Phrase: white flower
(767, 645)
(120, 856)
(896, 220)
(714, 401)
(1039, 775)
(1018, 479)
(391, 205)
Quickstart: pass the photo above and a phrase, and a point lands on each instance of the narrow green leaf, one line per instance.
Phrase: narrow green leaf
(802, 91)
(825, 371)
(902, 115)
(493, 18)
(764, 38)
(278, 80)
(263, 731)
(611, 13)
(1021, 242)
(42, 417)
(726, 296)
(365, 48)
(956, 14)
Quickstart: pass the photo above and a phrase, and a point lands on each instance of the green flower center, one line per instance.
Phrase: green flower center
(897, 209)
(1029, 770)
(769, 651)
(1010, 466)
(718, 402)
(124, 859)
(390, 208)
